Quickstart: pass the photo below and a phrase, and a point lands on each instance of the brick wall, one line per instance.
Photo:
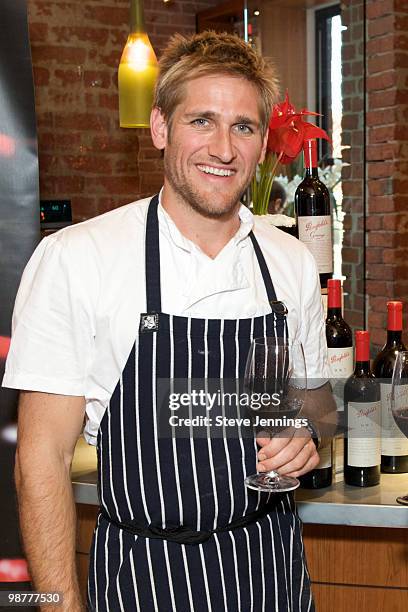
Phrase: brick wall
(76, 47)
(387, 155)
(353, 175)
(386, 138)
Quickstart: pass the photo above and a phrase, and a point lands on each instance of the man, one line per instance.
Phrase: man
(277, 199)
(168, 288)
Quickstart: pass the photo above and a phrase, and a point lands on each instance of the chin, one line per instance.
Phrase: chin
(220, 202)
(215, 211)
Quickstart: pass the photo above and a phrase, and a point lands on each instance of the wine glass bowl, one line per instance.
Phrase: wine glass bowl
(399, 399)
(275, 381)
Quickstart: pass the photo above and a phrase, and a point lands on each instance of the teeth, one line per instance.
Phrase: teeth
(217, 171)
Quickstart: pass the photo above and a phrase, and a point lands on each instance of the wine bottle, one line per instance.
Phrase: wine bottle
(340, 349)
(394, 445)
(321, 476)
(313, 214)
(338, 334)
(362, 400)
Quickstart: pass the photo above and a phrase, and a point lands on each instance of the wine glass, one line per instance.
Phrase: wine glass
(275, 383)
(399, 399)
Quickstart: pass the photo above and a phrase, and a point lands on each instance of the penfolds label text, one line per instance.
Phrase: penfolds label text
(366, 412)
(317, 231)
(334, 359)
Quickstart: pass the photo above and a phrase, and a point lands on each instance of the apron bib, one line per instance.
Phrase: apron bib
(178, 530)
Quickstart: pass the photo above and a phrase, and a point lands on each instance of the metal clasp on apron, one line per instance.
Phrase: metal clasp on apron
(279, 308)
(149, 322)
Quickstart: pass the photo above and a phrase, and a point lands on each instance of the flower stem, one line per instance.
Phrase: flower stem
(261, 189)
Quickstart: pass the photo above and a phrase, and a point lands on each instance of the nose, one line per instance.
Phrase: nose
(221, 145)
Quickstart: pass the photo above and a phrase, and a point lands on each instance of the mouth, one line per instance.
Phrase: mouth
(215, 171)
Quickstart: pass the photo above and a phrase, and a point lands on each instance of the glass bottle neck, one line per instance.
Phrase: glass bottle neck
(334, 313)
(394, 337)
(311, 171)
(362, 367)
(137, 23)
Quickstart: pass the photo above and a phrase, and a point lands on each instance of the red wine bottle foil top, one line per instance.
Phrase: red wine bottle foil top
(362, 345)
(333, 293)
(394, 316)
(310, 153)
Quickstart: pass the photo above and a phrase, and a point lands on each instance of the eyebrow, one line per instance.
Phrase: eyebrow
(211, 115)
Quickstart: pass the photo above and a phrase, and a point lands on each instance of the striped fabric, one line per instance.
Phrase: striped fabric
(197, 482)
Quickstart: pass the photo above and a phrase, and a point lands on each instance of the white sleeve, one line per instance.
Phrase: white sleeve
(53, 321)
(312, 332)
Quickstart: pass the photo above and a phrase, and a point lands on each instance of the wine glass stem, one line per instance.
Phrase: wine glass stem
(272, 474)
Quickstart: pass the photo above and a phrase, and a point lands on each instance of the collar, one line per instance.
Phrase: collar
(225, 272)
(217, 277)
(246, 224)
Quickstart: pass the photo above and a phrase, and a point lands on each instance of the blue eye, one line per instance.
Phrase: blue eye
(200, 122)
(243, 128)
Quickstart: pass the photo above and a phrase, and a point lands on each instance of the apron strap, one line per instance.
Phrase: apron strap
(152, 262)
(270, 289)
(152, 265)
(184, 535)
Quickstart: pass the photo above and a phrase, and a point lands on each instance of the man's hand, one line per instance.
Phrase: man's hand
(291, 453)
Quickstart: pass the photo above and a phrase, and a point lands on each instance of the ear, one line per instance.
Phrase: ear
(158, 128)
(263, 150)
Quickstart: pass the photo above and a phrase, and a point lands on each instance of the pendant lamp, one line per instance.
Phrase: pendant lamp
(138, 70)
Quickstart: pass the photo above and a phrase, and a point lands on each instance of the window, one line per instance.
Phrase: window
(328, 76)
(328, 28)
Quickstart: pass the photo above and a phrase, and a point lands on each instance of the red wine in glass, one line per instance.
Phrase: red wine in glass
(401, 419)
(275, 380)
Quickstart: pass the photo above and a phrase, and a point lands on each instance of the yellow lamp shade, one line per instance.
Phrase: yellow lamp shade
(138, 70)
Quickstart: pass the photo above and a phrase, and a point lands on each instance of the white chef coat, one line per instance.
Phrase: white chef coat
(77, 310)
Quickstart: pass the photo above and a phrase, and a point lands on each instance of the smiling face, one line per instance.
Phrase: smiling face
(214, 145)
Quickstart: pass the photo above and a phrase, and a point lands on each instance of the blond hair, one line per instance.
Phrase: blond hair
(212, 53)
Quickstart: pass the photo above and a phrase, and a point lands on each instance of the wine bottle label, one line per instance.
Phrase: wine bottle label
(325, 455)
(364, 420)
(316, 234)
(393, 441)
(341, 362)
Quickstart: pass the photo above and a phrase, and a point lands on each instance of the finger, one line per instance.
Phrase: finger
(286, 454)
(273, 445)
(263, 438)
(302, 432)
(310, 465)
(286, 457)
(279, 442)
(273, 448)
(305, 456)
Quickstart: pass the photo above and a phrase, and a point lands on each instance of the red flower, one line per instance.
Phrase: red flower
(288, 131)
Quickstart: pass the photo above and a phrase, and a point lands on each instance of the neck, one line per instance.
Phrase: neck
(334, 311)
(311, 171)
(210, 234)
(362, 367)
(394, 336)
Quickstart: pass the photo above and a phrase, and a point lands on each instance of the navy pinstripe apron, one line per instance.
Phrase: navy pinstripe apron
(171, 535)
